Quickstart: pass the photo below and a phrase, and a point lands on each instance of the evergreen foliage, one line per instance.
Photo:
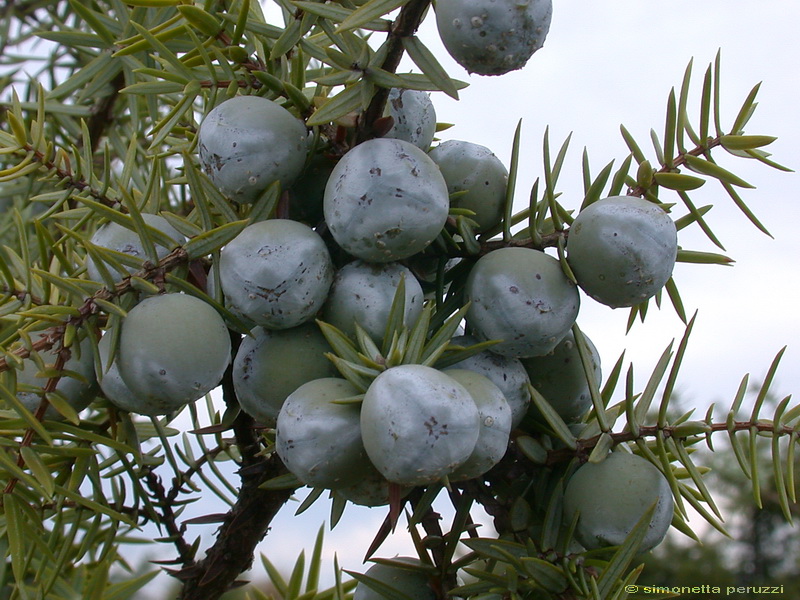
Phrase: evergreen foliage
(105, 130)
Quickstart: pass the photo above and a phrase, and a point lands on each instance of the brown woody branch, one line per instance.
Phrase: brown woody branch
(430, 522)
(21, 295)
(406, 24)
(90, 307)
(549, 240)
(68, 179)
(244, 526)
(247, 522)
(584, 447)
(103, 111)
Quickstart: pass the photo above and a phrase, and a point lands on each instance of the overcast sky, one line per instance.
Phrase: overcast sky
(607, 62)
(610, 62)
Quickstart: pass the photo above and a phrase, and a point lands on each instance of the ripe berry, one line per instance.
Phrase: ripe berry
(505, 372)
(474, 170)
(414, 117)
(318, 439)
(418, 424)
(363, 293)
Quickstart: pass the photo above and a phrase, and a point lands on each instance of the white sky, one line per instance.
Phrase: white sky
(606, 63)
(609, 62)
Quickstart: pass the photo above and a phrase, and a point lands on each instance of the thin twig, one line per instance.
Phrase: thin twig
(585, 446)
(679, 161)
(168, 519)
(27, 438)
(90, 307)
(55, 336)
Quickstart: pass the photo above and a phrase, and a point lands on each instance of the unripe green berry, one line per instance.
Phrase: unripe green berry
(78, 390)
(173, 349)
(622, 250)
(385, 201)
(270, 365)
(493, 37)
(412, 583)
(612, 495)
(247, 143)
(559, 376)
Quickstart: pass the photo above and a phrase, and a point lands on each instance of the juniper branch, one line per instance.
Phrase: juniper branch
(405, 25)
(585, 446)
(27, 438)
(679, 161)
(248, 521)
(90, 307)
(21, 295)
(243, 528)
(168, 519)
